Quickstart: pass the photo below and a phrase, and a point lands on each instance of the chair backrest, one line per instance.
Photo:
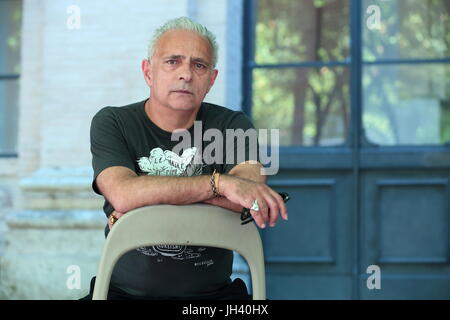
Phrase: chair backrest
(193, 225)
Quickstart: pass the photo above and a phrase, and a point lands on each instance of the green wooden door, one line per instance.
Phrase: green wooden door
(360, 92)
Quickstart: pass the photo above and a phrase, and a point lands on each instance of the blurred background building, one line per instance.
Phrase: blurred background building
(360, 91)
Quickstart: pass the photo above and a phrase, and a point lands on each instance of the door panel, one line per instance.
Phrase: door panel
(310, 255)
(289, 284)
(405, 223)
(399, 286)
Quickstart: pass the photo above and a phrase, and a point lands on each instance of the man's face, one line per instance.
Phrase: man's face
(180, 73)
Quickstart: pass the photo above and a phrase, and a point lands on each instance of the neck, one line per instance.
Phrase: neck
(169, 119)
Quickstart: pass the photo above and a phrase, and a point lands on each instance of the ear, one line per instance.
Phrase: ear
(213, 78)
(146, 67)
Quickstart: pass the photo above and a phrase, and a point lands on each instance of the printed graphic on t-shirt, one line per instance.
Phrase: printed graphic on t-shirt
(175, 252)
(167, 163)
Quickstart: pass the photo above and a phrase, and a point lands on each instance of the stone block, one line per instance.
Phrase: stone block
(41, 250)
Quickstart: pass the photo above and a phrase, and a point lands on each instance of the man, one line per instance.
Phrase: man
(134, 166)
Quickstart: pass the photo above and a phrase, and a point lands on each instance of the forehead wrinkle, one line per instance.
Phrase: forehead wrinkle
(174, 56)
(182, 57)
(163, 45)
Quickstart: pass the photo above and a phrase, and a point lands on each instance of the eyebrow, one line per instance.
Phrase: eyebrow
(179, 56)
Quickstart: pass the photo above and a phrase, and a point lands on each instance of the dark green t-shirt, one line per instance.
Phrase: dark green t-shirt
(125, 136)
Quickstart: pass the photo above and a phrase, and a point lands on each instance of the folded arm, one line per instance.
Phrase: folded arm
(245, 170)
(244, 183)
(127, 191)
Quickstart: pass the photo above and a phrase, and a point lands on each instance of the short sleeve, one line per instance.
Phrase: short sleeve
(108, 145)
(241, 142)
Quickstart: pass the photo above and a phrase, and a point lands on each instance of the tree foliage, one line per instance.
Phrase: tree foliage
(310, 105)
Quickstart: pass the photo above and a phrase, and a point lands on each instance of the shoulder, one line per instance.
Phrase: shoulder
(117, 115)
(112, 111)
(222, 117)
(219, 111)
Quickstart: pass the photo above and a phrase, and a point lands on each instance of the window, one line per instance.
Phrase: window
(298, 70)
(10, 26)
(406, 76)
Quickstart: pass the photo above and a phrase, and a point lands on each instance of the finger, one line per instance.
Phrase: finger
(257, 216)
(109, 223)
(283, 208)
(281, 204)
(273, 209)
(263, 209)
(116, 215)
(258, 219)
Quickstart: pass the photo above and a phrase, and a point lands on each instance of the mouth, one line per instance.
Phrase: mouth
(183, 91)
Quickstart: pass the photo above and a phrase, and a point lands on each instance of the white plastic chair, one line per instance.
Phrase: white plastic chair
(193, 225)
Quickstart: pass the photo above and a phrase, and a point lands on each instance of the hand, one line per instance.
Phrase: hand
(244, 192)
(224, 203)
(116, 214)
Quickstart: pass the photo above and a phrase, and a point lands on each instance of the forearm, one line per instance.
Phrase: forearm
(236, 192)
(150, 190)
(138, 191)
(250, 171)
(244, 170)
(224, 203)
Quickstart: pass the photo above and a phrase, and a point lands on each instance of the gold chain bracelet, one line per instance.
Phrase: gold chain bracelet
(214, 181)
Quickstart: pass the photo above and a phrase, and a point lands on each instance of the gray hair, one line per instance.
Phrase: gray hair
(185, 23)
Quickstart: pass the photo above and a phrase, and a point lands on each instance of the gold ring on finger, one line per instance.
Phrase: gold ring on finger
(112, 219)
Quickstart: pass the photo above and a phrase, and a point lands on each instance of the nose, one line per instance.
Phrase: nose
(185, 72)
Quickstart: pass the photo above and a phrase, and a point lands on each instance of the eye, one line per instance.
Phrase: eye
(199, 66)
(171, 61)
